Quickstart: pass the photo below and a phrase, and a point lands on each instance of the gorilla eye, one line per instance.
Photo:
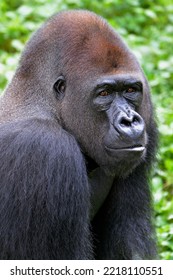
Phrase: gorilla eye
(131, 90)
(104, 93)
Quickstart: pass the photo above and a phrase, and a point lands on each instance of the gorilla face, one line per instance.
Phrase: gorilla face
(105, 120)
(120, 98)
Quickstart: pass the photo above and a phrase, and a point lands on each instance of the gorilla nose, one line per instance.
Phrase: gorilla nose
(130, 126)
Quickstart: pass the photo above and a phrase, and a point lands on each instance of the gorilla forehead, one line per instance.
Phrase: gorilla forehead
(73, 40)
(87, 38)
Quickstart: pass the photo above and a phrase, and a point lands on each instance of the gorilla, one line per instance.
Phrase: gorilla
(77, 143)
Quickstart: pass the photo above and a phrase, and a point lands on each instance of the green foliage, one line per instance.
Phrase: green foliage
(147, 27)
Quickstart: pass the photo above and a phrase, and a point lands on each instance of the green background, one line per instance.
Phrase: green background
(147, 27)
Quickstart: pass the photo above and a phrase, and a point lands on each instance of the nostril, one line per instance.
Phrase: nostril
(136, 120)
(125, 122)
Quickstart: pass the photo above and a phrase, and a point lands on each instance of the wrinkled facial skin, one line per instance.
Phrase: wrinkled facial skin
(119, 99)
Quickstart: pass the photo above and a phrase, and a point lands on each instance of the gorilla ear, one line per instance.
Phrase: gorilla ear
(59, 87)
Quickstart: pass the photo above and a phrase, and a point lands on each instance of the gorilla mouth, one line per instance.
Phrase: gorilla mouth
(134, 148)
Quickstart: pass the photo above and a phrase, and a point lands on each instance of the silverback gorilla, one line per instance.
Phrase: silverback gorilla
(77, 141)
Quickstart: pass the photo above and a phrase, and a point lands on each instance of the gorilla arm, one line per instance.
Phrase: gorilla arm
(44, 193)
(131, 235)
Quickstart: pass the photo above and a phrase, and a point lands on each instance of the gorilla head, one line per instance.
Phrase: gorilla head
(93, 85)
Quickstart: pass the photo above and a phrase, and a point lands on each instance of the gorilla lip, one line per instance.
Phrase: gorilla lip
(137, 148)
